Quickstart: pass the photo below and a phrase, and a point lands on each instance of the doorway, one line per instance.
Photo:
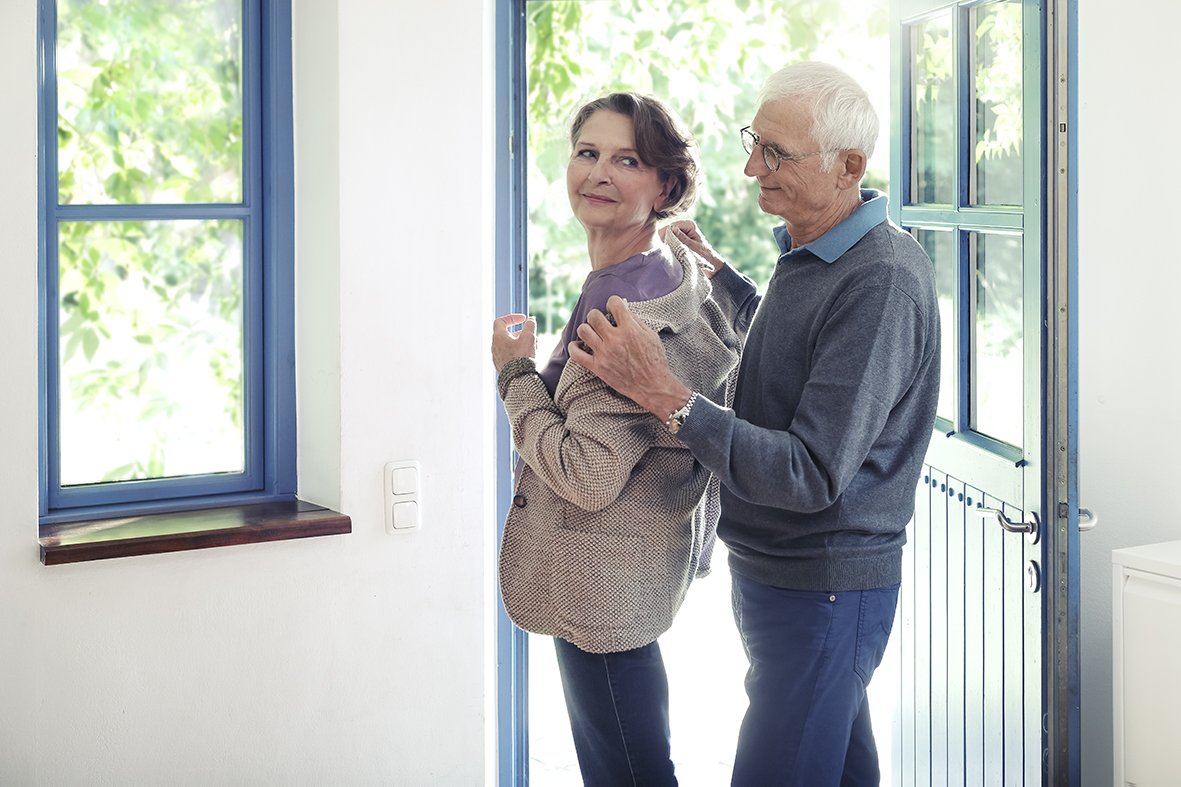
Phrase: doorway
(707, 60)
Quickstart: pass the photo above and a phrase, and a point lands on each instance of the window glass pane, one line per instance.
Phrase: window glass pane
(150, 347)
(997, 381)
(998, 90)
(149, 101)
(933, 119)
(940, 246)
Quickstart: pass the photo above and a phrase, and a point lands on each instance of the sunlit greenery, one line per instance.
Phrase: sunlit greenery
(998, 89)
(705, 59)
(150, 313)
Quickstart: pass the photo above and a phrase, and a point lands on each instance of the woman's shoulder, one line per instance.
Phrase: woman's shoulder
(651, 274)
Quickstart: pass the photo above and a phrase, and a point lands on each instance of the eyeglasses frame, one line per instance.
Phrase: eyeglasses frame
(772, 157)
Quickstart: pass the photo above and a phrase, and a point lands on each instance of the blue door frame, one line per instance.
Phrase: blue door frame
(1011, 673)
(512, 292)
(1060, 678)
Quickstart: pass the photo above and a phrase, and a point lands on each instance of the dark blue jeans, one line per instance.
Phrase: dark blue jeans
(811, 658)
(618, 706)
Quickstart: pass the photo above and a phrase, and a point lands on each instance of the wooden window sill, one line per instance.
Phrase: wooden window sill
(151, 534)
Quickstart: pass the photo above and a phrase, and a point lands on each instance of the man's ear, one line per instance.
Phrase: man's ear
(851, 164)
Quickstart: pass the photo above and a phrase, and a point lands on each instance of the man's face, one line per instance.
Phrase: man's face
(798, 192)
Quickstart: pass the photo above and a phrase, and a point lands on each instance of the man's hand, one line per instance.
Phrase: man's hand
(686, 232)
(629, 357)
(507, 346)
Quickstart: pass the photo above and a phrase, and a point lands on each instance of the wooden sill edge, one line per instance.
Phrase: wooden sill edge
(152, 534)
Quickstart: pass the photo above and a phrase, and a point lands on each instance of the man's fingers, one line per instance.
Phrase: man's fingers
(580, 356)
(619, 311)
(588, 334)
(683, 228)
(597, 320)
(529, 330)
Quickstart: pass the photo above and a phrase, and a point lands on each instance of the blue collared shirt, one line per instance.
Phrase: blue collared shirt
(838, 240)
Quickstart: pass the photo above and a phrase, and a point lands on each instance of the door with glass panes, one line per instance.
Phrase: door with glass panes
(967, 181)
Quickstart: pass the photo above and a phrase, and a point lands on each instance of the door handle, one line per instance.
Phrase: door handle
(1030, 528)
(1087, 520)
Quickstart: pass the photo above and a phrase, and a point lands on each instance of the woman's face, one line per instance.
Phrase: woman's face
(610, 189)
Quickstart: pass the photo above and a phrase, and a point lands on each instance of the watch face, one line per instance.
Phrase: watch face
(676, 421)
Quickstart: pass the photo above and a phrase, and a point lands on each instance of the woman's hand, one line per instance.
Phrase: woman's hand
(686, 232)
(508, 345)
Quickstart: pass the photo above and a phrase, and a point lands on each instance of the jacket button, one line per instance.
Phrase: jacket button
(519, 501)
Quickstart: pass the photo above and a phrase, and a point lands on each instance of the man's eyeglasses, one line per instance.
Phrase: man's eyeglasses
(771, 157)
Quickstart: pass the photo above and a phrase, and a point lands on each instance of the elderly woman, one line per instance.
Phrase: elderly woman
(612, 517)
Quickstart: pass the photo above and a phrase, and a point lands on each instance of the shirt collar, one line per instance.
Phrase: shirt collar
(838, 240)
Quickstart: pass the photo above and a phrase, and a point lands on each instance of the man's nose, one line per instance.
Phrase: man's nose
(755, 164)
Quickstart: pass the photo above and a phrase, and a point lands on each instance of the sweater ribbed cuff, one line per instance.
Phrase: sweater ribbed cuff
(517, 367)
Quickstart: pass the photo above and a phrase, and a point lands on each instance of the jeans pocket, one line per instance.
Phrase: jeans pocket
(875, 620)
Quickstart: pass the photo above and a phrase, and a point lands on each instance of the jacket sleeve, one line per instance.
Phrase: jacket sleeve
(583, 445)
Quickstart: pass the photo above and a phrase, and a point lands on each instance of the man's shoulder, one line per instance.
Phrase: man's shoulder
(890, 254)
(889, 259)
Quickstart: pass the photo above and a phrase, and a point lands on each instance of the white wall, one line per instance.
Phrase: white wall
(1129, 280)
(357, 659)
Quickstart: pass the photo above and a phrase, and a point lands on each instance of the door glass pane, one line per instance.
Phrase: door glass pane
(149, 101)
(940, 246)
(933, 112)
(150, 347)
(997, 87)
(998, 340)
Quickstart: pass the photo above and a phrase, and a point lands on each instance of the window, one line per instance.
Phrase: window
(964, 200)
(167, 344)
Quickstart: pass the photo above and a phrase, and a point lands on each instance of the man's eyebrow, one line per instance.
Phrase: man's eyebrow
(774, 147)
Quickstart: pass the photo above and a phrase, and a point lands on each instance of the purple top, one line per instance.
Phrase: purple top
(643, 277)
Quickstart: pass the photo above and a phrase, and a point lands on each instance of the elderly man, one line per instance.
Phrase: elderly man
(820, 455)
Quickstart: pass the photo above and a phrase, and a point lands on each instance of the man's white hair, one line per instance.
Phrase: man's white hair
(842, 116)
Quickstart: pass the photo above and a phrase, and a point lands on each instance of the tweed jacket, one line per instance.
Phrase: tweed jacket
(612, 517)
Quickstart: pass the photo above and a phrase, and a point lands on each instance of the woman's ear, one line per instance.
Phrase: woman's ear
(666, 187)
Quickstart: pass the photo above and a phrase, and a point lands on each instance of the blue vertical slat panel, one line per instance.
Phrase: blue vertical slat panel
(940, 723)
(973, 643)
(1014, 659)
(956, 635)
(922, 629)
(994, 645)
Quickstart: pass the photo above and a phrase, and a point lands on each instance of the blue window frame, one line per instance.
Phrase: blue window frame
(254, 219)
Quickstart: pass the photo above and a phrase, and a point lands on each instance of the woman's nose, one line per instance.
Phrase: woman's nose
(600, 172)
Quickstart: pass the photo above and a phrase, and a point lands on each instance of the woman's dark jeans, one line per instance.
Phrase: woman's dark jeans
(618, 706)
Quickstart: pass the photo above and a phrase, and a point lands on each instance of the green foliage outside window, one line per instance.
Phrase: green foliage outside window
(705, 58)
(150, 313)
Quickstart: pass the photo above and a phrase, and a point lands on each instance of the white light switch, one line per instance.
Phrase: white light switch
(405, 516)
(403, 497)
(404, 480)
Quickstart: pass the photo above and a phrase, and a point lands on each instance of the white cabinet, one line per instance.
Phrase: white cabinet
(1146, 662)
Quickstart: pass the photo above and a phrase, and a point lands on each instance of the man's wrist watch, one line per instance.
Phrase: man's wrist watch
(676, 418)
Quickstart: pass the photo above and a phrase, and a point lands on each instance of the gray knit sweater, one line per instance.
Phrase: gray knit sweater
(612, 517)
(833, 412)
